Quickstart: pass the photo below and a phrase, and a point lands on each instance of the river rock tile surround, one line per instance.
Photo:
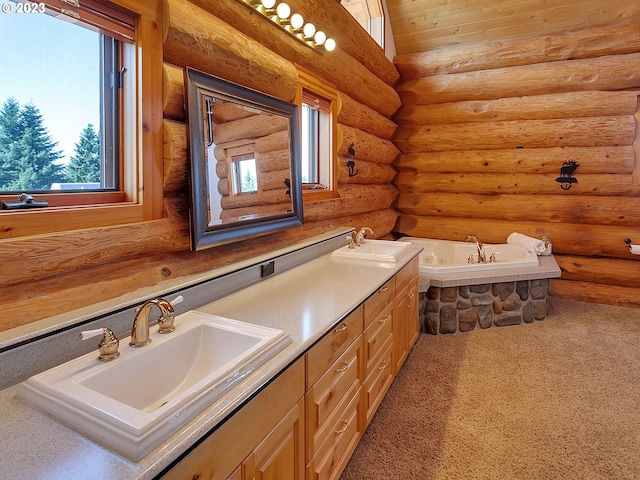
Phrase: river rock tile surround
(464, 308)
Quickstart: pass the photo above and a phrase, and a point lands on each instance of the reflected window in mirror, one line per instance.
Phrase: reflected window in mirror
(318, 127)
(244, 174)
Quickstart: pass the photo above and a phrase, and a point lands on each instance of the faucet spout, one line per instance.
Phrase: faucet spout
(482, 256)
(361, 236)
(140, 329)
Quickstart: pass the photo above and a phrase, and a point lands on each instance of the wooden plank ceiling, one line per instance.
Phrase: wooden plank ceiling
(420, 25)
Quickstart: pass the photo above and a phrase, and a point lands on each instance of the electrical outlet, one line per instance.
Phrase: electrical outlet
(268, 268)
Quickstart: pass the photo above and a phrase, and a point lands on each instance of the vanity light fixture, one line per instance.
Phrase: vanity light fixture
(294, 24)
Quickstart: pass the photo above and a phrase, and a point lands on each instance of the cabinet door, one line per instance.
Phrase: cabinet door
(219, 455)
(406, 326)
(280, 456)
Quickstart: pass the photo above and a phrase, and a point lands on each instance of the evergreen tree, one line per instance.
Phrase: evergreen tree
(85, 164)
(27, 152)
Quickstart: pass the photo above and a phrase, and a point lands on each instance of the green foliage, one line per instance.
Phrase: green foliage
(27, 152)
(85, 164)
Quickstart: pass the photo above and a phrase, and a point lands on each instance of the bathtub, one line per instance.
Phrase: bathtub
(446, 256)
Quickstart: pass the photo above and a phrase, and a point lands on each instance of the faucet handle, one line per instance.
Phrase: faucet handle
(165, 322)
(108, 346)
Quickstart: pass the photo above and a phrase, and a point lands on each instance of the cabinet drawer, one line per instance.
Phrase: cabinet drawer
(378, 382)
(329, 348)
(379, 301)
(332, 390)
(342, 438)
(404, 276)
(376, 335)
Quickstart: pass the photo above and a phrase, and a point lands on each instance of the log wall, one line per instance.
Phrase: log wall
(227, 39)
(484, 129)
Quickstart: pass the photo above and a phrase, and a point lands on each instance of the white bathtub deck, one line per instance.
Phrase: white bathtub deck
(547, 268)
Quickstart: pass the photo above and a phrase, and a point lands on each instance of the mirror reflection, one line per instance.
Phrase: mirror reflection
(244, 148)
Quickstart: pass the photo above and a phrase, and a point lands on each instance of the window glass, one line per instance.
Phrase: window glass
(317, 141)
(245, 178)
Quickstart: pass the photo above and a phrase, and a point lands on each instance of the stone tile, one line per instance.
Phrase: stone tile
(467, 320)
(448, 319)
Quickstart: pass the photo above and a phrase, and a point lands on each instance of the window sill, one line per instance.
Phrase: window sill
(20, 223)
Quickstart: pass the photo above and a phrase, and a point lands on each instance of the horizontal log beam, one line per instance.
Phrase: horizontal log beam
(618, 160)
(175, 159)
(602, 73)
(354, 199)
(568, 239)
(330, 17)
(595, 293)
(173, 92)
(607, 271)
(536, 107)
(565, 209)
(367, 146)
(357, 115)
(253, 127)
(200, 40)
(349, 74)
(23, 259)
(574, 132)
(366, 172)
(515, 183)
(585, 42)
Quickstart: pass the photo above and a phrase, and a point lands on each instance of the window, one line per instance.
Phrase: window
(318, 126)
(370, 15)
(245, 176)
(72, 111)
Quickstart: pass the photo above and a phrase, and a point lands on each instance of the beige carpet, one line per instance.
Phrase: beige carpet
(557, 399)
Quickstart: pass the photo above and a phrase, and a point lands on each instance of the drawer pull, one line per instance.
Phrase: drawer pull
(384, 319)
(343, 368)
(383, 366)
(341, 328)
(384, 288)
(412, 297)
(343, 429)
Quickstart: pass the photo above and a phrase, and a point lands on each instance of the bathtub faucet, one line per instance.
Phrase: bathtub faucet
(482, 256)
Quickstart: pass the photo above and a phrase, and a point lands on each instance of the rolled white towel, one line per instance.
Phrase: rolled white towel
(531, 244)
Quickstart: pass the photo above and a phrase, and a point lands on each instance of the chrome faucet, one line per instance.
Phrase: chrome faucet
(140, 329)
(482, 256)
(360, 237)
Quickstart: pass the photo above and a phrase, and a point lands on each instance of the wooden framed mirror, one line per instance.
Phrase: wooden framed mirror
(245, 159)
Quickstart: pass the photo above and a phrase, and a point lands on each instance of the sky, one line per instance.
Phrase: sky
(54, 65)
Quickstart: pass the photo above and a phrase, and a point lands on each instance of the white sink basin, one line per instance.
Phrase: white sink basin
(377, 250)
(134, 403)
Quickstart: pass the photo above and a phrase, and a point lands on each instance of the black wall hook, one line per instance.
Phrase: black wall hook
(351, 164)
(565, 179)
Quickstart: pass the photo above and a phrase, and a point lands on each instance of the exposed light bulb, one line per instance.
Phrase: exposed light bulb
(283, 11)
(330, 45)
(297, 21)
(268, 3)
(319, 37)
(308, 30)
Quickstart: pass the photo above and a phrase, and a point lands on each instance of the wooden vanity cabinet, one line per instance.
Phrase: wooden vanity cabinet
(263, 440)
(308, 421)
(406, 326)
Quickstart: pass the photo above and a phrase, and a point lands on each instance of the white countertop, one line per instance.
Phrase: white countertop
(305, 301)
